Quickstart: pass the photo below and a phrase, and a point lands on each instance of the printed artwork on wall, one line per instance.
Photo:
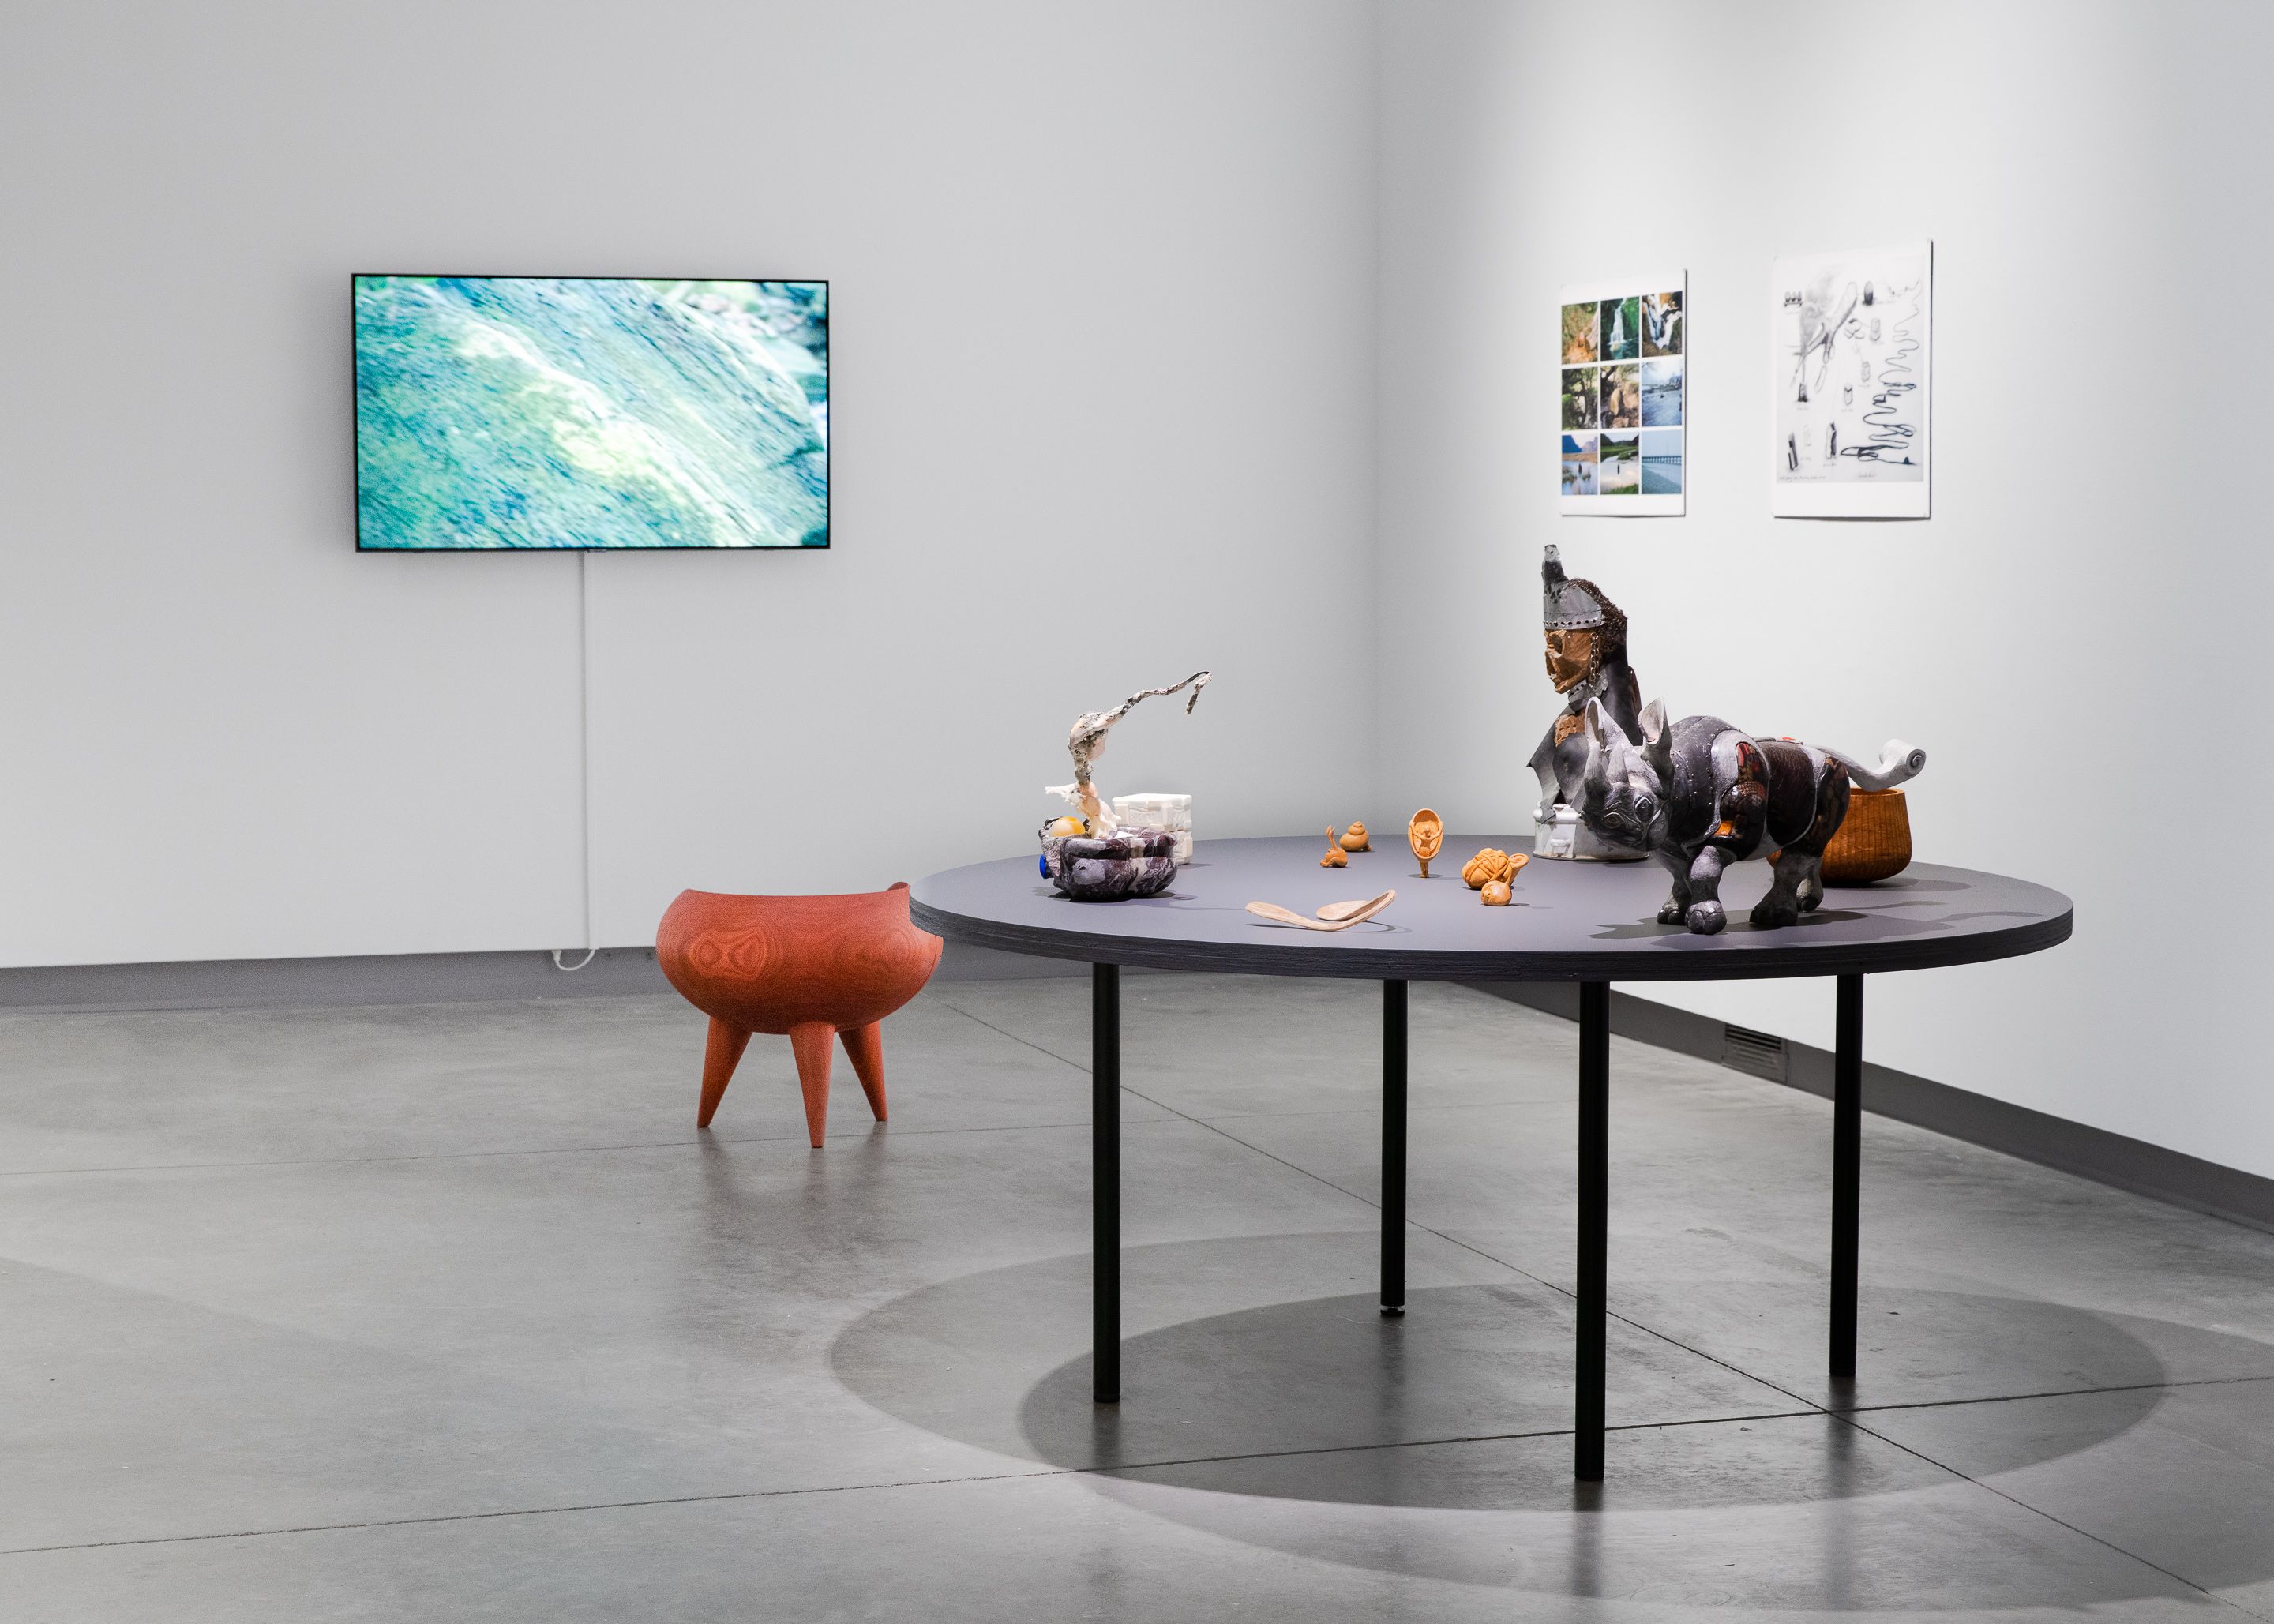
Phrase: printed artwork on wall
(1852, 345)
(1625, 397)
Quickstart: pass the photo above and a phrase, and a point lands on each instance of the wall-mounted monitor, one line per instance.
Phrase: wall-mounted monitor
(574, 412)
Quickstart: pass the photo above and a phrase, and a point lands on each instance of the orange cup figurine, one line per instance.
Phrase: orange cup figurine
(1424, 832)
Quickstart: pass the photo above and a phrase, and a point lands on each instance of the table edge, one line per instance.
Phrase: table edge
(1438, 964)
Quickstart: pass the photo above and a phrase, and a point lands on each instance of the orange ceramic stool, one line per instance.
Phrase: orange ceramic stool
(814, 967)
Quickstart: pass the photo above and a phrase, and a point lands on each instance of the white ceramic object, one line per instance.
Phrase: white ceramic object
(1155, 810)
(1556, 832)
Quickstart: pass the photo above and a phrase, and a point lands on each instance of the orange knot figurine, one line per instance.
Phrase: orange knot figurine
(1492, 864)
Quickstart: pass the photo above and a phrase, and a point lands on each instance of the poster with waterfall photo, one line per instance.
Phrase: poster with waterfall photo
(1623, 395)
(1850, 362)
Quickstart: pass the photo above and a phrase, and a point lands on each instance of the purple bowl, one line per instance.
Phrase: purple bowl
(1135, 862)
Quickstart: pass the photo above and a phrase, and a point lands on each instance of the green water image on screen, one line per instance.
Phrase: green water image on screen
(563, 412)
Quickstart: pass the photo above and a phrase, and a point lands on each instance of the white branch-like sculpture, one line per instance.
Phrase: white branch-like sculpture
(1088, 740)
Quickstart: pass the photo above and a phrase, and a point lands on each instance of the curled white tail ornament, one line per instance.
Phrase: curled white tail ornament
(1899, 764)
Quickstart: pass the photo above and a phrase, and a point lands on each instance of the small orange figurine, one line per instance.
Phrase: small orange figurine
(1493, 864)
(1424, 832)
(1497, 893)
(1334, 859)
(1485, 867)
(1356, 839)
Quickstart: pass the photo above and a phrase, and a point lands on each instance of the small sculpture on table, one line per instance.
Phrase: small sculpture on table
(1159, 809)
(1424, 832)
(1587, 638)
(1130, 863)
(1698, 795)
(1491, 868)
(1356, 839)
(1335, 857)
(1112, 862)
(1087, 742)
(1874, 842)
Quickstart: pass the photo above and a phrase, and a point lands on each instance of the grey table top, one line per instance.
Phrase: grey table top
(1570, 921)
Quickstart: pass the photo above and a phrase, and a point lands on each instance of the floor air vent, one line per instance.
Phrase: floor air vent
(1758, 1054)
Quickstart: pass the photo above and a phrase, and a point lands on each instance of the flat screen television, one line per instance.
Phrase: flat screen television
(590, 413)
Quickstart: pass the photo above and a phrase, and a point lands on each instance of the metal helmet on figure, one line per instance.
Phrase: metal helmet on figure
(1586, 639)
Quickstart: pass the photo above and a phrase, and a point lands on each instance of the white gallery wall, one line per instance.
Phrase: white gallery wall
(2076, 636)
(1102, 404)
(1198, 334)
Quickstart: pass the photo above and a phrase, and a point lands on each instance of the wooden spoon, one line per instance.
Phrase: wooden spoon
(1335, 911)
(1288, 916)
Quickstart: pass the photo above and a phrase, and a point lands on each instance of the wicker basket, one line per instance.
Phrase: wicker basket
(1872, 841)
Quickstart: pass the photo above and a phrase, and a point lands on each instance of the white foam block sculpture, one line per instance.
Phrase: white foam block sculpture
(1154, 810)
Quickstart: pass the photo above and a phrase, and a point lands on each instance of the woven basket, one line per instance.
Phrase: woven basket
(1872, 841)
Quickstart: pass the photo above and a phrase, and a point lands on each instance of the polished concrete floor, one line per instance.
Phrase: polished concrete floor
(446, 1312)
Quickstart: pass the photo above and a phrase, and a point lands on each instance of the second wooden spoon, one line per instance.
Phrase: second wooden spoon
(1362, 912)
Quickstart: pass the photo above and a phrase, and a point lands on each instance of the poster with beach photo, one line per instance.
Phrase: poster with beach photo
(1850, 360)
(1622, 396)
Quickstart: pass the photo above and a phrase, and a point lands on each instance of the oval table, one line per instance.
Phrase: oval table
(1590, 922)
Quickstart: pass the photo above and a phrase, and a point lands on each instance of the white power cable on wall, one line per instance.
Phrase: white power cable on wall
(583, 764)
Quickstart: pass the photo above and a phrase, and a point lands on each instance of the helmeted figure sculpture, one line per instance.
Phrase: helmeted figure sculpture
(1587, 638)
(1698, 795)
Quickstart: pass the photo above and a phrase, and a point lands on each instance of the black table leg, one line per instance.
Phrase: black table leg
(1594, 1226)
(1393, 1149)
(1847, 1167)
(1105, 1180)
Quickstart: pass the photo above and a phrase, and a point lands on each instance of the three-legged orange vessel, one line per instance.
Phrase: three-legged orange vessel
(815, 968)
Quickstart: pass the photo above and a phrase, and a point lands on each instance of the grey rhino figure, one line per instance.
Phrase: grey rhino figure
(1698, 795)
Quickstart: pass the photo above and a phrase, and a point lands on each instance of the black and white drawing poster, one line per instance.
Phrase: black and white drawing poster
(1623, 395)
(1850, 364)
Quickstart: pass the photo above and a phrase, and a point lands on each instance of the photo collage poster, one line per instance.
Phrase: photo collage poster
(1852, 341)
(1624, 397)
